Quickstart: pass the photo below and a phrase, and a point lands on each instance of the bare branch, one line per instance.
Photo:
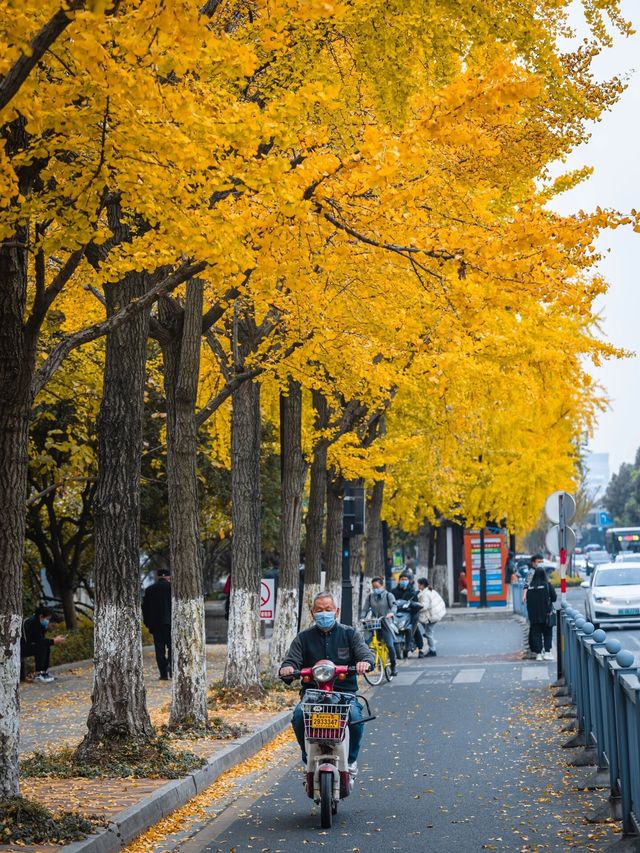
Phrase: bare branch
(97, 330)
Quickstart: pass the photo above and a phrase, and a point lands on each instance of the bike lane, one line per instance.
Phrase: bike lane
(464, 755)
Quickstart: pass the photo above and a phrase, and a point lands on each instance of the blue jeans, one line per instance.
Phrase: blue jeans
(356, 733)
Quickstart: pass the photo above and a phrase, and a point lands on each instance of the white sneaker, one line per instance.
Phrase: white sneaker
(547, 656)
(539, 657)
(44, 678)
(353, 769)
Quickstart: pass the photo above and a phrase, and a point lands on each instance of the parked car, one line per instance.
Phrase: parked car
(612, 595)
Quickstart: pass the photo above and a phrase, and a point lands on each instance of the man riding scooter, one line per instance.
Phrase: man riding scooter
(329, 640)
(406, 596)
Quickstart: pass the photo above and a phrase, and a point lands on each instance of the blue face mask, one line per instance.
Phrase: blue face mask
(404, 584)
(377, 593)
(325, 619)
(44, 623)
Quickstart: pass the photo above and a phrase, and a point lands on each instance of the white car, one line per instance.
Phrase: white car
(612, 594)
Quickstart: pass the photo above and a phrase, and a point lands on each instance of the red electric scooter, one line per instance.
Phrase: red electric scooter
(326, 734)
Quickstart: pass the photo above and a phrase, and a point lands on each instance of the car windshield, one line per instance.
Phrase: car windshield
(599, 557)
(618, 577)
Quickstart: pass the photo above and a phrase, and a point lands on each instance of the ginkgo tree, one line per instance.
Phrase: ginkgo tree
(358, 170)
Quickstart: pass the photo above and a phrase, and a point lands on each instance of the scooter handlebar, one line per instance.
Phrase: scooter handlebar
(307, 672)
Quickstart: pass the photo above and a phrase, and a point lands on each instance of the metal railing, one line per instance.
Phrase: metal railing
(517, 592)
(602, 681)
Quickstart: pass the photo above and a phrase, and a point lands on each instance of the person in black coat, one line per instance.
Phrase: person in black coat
(540, 596)
(35, 643)
(405, 591)
(156, 614)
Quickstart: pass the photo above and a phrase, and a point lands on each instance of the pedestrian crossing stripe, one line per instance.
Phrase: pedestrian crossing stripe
(462, 675)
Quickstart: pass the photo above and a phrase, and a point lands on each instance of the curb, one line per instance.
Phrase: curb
(139, 817)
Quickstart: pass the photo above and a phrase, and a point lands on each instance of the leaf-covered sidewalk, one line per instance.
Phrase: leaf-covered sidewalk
(54, 716)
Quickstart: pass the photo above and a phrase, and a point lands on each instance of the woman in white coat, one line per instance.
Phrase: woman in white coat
(433, 609)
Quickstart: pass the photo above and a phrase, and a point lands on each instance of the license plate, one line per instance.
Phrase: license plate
(633, 611)
(325, 721)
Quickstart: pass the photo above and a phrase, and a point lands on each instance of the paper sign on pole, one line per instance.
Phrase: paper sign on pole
(267, 599)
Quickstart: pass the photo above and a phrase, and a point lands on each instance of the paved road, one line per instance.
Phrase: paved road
(463, 756)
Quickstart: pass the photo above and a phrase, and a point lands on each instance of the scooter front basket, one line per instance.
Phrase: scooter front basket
(324, 722)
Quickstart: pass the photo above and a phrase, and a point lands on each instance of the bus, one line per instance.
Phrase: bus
(625, 539)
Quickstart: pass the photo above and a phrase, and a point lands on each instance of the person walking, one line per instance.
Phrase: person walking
(382, 605)
(156, 614)
(433, 609)
(540, 597)
(35, 643)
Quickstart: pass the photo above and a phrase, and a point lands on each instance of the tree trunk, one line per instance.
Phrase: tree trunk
(333, 541)
(315, 512)
(423, 543)
(357, 578)
(294, 473)
(16, 370)
(67, 596)
(181, 371)
(118, 708)
(438, 576)
(243, 647)
(374, 555)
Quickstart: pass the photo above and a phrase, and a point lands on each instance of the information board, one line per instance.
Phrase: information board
(495, 556)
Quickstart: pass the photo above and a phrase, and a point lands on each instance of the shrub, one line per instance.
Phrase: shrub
(554, 580)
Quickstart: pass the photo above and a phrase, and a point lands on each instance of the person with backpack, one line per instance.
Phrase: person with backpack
(540, 597)
(382, 604)
(433, 609)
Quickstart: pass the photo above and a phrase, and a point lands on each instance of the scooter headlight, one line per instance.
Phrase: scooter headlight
(323, 672)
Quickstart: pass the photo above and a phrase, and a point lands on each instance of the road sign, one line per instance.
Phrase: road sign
(552, 540)
(552, 507)
(267, 599)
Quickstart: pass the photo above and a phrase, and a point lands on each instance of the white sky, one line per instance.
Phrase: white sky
(614, 152)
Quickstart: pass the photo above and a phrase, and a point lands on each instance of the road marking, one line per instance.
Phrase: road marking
(633, 639)
(535, 673)
(406, 679)
(468, 676)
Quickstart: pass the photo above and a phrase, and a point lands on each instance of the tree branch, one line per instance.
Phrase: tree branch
(97, 330)
(23, 66)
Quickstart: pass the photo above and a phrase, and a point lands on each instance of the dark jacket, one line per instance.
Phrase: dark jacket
(342, 644)
(156, 605)
(33, 632)
(540, 600)
(408, 594)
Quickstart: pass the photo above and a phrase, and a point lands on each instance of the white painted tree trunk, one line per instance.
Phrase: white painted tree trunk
(287, 624)
(188, 651)
(17, 363)
(243, 646)
(242, 669)
(294, 474)
(10, 626)
(118, 709)
(310, 591)
(181, 354)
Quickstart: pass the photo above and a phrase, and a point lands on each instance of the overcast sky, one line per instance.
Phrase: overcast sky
(614, 152)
